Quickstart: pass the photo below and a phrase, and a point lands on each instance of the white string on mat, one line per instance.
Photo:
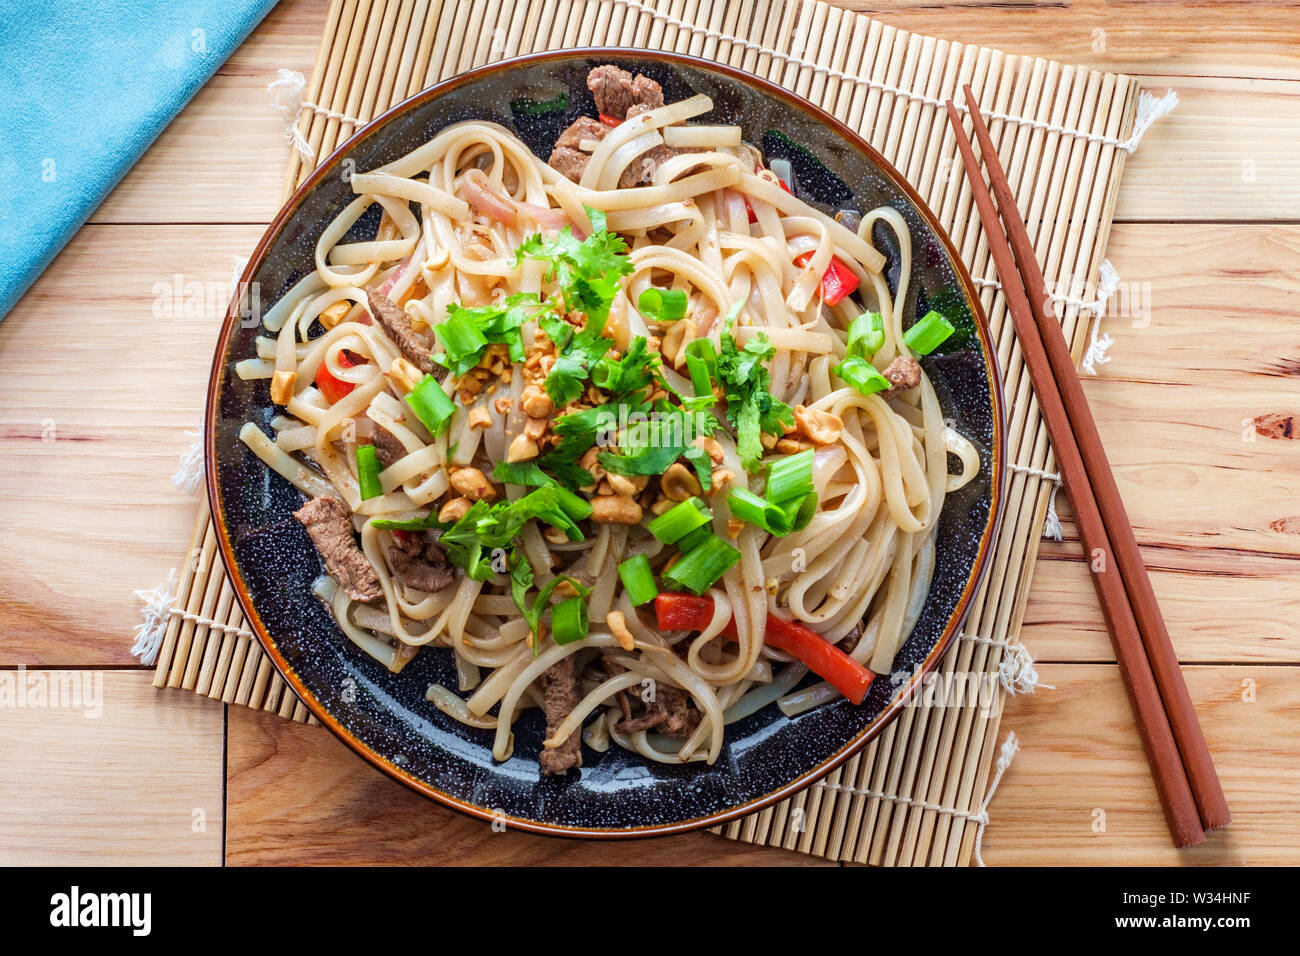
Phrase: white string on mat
(189, 472)
(1052, 525)
(1099, 345)
(1016, 670)
(980, 817)
(1149, 108)
(159, 610)
(209, 623)
(288, 99)
(157, 607)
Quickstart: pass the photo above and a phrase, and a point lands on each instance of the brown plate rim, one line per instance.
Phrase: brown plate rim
(882, 720)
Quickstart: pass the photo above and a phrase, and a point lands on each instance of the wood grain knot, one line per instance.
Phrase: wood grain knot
(1275, 425)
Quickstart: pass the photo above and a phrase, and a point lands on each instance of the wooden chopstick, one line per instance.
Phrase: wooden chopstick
(1197, 762)
(1171, 780)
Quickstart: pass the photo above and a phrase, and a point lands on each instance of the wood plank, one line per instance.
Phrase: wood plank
(1080, 754)
(222, 159)
(1225, 153)
(91, 432)
(297, 796)
(1124, 36)
(128, 776)
(1222, 609)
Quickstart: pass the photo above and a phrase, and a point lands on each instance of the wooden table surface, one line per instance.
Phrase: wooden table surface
(100, 389)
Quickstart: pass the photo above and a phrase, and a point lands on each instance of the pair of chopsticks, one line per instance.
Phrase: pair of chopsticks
(1185, 779)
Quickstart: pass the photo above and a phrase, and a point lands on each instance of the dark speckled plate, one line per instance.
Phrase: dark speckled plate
(383, 716)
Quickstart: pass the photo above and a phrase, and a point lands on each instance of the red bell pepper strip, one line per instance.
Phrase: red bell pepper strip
(685, 612)
(837, 281)
(332, 387)
(610, 121)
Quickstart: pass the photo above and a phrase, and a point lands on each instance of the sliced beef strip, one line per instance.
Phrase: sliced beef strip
(616, 91)
(420, 562)
(641, 171)
(329, 525)
(671, 714)
(903, 373)
(559, 697)
(388, 448)
(571, 162)
(582, 129)
(395, 322)
(567, 158)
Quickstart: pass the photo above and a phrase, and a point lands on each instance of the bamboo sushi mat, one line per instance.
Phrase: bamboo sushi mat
(915, 794)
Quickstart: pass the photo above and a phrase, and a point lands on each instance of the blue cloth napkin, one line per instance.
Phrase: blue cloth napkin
(85, 87)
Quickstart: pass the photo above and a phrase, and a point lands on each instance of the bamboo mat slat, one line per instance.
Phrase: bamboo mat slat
(914, 795)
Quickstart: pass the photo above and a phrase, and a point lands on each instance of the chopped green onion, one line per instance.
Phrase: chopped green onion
(528, 474)
(679, 520)
(575, 506)
(638, 580)
(866, 335)
(460, 337)
(368, 472)
(862, 375)
(703, 348)
(702, 366)
(790, 477)
(699, 372)
(930, 331)
(569, 621)
(757, 510)
(799, 511)
(688, 541)
(662, 305)
(698, 568)
(431, 404)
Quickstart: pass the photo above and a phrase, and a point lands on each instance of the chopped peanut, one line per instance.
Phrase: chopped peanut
(622, 486)
(502, 404)
(535, 428)
(589, 462)
(618, 627)
(822, 428)
(334, 314)
(679, 482)
(479, 417)
(769, 441)
(720, 479)
(282, 385)
(454, 510)
(473, 484)
(661, 504)
(404, 375)
(734, 526)
(468, 385)
(522, 448)
(611, 509)
(555, 535)
(535, 402)
(711, 446)
(789, 446)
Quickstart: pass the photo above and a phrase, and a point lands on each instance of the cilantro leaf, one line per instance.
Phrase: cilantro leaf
(648, 447)
(467, 333)
(521, 581)
(751, 408)
(486, 527)
(587, 271)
